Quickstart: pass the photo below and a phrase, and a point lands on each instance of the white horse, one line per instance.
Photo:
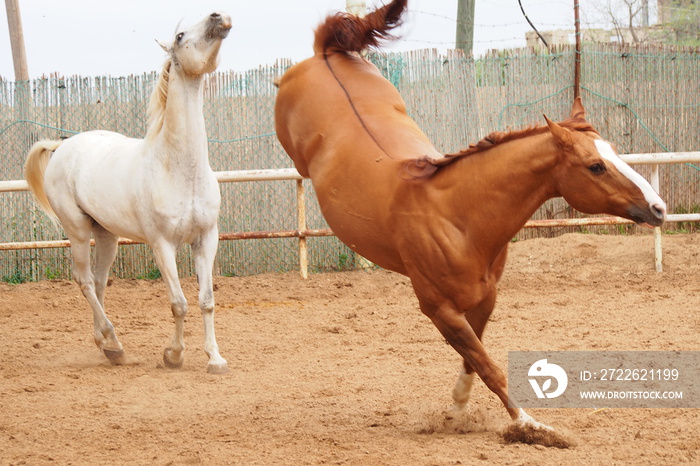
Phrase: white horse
(159, 190)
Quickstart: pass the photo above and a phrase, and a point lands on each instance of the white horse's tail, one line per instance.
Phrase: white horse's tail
(34, 169)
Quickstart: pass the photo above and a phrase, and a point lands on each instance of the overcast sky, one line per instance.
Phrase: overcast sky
(117, 37)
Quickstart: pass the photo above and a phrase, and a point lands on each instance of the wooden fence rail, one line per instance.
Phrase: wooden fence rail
(302, 232)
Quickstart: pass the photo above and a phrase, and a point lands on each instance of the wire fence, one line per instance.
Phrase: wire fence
(642, 99)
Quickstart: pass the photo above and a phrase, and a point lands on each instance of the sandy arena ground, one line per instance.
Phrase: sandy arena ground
(341, 368)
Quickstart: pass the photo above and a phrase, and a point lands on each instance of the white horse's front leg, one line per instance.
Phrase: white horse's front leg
(173, 356)
(204, 251)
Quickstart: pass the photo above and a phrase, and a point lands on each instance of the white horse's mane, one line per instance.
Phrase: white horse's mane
(156, 106)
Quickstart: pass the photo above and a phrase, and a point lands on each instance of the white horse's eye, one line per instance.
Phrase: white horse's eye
(179, 36)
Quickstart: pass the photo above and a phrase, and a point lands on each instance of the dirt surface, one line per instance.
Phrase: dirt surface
(341, 368)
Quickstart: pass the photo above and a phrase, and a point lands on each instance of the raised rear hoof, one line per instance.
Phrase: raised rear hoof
(537, 434)
(116, 357)
(217, 369)
(172, 361)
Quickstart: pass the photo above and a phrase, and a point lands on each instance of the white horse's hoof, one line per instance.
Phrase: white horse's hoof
(171, 361)
(217, 369)
(116, 357)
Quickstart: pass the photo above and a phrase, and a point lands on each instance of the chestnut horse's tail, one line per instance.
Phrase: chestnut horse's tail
(34, 169)
(349, 33)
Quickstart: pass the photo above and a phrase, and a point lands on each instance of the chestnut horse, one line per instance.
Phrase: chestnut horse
(160, 190)
(443, 221)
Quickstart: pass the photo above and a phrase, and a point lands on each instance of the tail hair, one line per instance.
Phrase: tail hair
(34, 169)
(350, 33)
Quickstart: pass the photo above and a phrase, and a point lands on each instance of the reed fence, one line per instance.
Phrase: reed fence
(642, 99)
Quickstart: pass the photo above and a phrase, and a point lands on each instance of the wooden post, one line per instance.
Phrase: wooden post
(19, 54)
(464, 36)
(301, 225)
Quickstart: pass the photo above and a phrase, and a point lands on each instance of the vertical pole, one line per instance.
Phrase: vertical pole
(464, 37)
(356, 7)
(301, 225)
(19, 54)
(577, 51)
(658, 254)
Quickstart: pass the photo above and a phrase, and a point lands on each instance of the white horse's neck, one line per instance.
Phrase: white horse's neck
(183, 137)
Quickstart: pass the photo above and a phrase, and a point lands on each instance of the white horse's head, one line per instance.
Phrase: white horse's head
(195, 51)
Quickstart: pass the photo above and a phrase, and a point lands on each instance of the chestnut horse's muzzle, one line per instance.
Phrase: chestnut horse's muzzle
(654, 215)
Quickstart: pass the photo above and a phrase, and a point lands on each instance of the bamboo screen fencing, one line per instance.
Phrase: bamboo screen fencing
(641, 99)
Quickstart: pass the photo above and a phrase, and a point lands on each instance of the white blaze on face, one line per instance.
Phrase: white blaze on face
(608, 153)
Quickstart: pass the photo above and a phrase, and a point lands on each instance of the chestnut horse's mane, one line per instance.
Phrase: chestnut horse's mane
(424, 167)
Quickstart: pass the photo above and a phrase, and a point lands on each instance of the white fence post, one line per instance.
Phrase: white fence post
(658, 254)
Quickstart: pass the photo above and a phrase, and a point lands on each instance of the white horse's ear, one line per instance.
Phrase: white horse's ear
(163, 45)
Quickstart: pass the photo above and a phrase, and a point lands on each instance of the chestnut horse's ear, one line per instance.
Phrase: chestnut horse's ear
(577, 111)
(561, 135)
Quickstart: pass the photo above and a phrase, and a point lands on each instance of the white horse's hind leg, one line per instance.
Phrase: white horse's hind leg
(105, 338)
(204, 252)
(105, 251)
(173, 356)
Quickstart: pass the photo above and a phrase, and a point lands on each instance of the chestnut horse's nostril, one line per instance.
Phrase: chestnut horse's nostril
(659, 211)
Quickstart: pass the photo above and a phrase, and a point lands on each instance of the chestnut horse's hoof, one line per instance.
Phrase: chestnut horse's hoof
(116, 357)
(537, 434)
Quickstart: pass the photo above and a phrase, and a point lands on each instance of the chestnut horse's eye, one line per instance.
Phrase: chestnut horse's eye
(597, 168)
(179, 36)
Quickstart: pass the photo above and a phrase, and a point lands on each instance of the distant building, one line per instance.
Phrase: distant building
(568, 36)
(678, 22)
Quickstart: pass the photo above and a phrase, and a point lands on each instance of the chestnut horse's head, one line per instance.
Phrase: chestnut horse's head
(594, 179)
